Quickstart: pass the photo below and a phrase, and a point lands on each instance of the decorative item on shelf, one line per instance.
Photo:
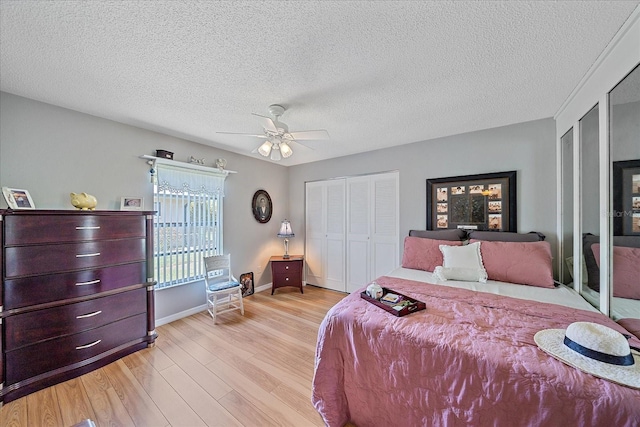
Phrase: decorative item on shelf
(261, 206)
(286, 232)
(164, 154)
(131, 203)
(18, 199)
(84, 201)
(196, 161)
(221, 163)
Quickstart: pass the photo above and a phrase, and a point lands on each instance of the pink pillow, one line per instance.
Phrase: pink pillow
(526, 263)
(424, 254)
(626, 270)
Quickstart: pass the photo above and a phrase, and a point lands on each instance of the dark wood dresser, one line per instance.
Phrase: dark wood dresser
(76, 294)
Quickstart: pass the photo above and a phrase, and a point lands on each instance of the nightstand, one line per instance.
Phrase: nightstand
(286, 272)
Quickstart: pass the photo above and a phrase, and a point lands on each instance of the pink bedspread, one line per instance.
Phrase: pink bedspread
(468, 359)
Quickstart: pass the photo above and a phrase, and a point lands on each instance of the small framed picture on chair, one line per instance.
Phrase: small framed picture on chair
(246, 283)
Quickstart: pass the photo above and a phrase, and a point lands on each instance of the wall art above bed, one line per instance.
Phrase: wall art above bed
(473, 202)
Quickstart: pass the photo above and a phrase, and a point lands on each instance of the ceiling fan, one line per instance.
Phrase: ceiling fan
(277, 135)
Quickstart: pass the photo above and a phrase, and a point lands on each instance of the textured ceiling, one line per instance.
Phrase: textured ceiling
(373, 74)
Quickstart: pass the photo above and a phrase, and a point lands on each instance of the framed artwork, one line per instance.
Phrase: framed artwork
(626, 198)
(131, 203)
(473, 202)
(17, 198)
(261, 206)
(246, 283)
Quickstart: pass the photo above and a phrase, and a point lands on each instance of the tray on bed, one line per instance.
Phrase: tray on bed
(411, 305)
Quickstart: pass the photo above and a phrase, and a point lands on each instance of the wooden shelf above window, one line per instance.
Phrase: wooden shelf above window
(194, 166)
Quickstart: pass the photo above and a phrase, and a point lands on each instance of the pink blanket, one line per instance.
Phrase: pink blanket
(468, 359)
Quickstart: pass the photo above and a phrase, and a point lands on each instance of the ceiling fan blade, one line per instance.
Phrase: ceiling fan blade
(310, 134)
(266, 123)
(244, 134)
(304, 145)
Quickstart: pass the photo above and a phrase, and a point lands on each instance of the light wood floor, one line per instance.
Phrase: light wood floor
(254, 370)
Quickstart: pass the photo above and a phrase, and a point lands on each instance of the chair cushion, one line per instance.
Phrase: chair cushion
(224, 285)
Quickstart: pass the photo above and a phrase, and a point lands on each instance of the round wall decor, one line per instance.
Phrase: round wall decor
(261, 206)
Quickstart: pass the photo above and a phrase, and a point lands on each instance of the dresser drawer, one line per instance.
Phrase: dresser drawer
(287, 268)
(46, 356)
(29, 328)
(32, 260)
(37, 229)
(26, 291)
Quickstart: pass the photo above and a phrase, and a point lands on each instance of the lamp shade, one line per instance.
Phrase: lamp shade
(275, 152)
(285, 150)
(265, 149)
(285, 229)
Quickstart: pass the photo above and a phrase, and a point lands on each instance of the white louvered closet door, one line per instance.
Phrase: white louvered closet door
(359, 215)
(315, 233)
(325, 234)
(385, 230)
(372, 227)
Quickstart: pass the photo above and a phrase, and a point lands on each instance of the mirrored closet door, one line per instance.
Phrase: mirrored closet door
(589, 204)
(566, 199)
(624, 149)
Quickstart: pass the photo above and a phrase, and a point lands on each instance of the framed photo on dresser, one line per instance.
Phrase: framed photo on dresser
(17, 198)
(473, 202)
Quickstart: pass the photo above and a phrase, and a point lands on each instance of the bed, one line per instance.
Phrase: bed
(468, 359)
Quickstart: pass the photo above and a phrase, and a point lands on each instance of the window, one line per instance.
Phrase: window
(187, 224)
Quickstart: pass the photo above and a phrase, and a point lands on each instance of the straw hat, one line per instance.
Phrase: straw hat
(595, 349)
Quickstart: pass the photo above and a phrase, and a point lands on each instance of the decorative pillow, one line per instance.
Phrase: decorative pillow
(626, 270)
(506, 236)
(454, 234)
(593, 267)
(423, 254)
(462, 274)
(526, 263)
(464, 257)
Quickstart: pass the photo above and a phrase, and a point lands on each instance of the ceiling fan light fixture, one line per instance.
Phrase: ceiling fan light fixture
(265, 149)
(285, 150)
(275, 153)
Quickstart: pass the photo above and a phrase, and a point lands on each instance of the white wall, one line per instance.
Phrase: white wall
(52, 151)
(528, 148)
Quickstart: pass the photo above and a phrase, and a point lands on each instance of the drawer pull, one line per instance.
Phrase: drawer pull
(97, 227)
(287, 267)
(80, 347)
(287, 279)
(95, 313)
(87, 255)
(92, 282)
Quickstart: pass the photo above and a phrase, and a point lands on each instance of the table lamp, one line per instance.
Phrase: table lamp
(286, 232)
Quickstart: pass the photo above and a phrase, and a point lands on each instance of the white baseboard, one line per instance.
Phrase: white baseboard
(263, 288)
(198, 309)
(176, 316)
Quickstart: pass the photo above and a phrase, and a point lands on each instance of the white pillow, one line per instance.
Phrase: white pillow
(462, 274)
(467, 258)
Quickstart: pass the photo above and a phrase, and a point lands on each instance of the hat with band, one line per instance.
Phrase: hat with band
(595, 349)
